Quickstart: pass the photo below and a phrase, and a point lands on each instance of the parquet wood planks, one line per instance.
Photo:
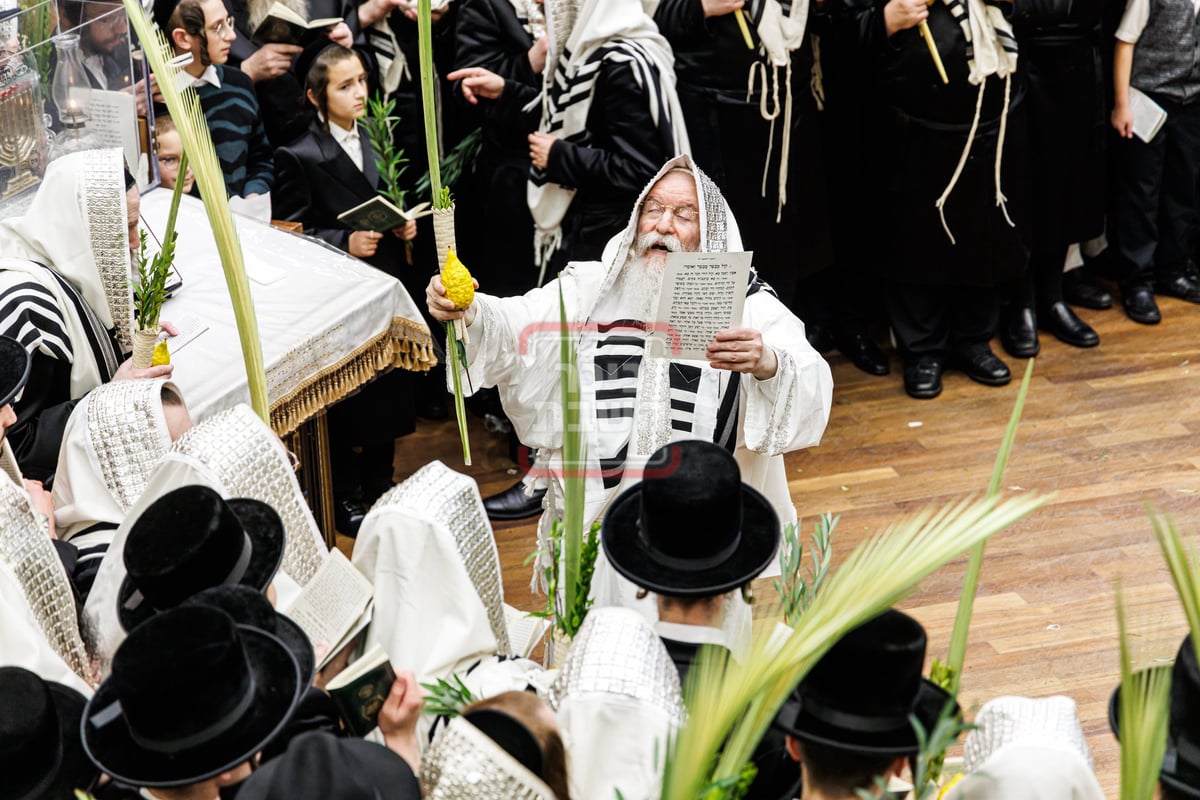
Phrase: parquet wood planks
(1105, 430)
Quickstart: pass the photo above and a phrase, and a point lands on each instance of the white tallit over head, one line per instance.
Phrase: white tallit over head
(78, 226)
(26, 550)
(113, 441)
(1029, 748)
(428, 548)
(464, 763)
(237, 455)
(619, 704)
(582, 35)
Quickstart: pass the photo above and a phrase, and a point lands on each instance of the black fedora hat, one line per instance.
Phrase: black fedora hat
(40, 754)
(190, 539)
(1181, 762)
(317, 766)
(859, 696)
(192, 694)
(14, 368)
(690, 528)
(249, 607)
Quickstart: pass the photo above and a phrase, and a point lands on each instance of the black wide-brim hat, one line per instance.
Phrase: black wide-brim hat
(1179, 775)
(249, 607)
(849, 734)
(264, 528)
(14, 368)
(111, 745)
(632, 551)
(64, 768)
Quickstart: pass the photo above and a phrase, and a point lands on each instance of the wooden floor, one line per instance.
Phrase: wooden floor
(1106, 430)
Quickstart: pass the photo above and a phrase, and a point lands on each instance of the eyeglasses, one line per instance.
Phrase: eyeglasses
(654, 210)
(222, 26)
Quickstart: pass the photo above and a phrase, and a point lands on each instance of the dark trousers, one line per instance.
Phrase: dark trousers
(941, 320)
(1153, 220)
(1041, 285)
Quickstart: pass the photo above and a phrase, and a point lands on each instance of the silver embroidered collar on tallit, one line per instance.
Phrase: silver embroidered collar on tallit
(464, 763)
(125, 429)
(25, 545)
(617, 652)
(102, 200)
(249, 461)
(452, 499)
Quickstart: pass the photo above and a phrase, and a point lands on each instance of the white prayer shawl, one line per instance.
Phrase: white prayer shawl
(780, 33)
(991, 50)
(583, 34)
(237, 455)
(29, 557)
(531, 17)
(22, 641)
(113, 440)
(514, 346)
(77, 225)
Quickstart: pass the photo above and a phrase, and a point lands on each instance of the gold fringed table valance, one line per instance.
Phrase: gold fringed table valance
(405, 345)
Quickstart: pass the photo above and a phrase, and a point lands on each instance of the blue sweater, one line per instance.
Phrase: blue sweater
(237, 133)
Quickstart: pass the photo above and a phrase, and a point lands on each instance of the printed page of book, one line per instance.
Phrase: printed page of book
(524, 631)
(702, 293)
(332, 602)
(114, 121)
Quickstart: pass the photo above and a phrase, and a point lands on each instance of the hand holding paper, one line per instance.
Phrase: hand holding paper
(742, 350)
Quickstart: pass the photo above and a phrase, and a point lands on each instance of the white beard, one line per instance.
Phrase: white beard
(635, 292)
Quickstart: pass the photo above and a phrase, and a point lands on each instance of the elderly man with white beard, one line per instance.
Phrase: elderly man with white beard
(763, 391)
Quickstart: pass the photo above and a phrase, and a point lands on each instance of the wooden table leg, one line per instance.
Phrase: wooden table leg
(312, 439)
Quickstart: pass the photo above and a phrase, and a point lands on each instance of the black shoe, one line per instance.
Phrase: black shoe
(1018, 332)
(1061, 321)
(820, 337)
(923, 377)
(1080, 289)
(982, 366)
(348, 516)
(1139, 304)
(863, 353)
(513, 504)
(1178, 284)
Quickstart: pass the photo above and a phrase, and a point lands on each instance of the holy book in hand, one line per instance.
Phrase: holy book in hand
(285, 26)
(380, 214)
(360, 690)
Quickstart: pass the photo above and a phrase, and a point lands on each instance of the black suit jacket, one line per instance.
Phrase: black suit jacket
(315, 181)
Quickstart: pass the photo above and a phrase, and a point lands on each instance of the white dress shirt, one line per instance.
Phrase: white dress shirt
(349, 141)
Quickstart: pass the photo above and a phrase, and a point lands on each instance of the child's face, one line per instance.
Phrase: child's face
(170, 148)
(346, 91)
(218, 31)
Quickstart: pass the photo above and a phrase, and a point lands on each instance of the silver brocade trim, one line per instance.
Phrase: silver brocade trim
(560, 16)
(617, 652)
(103, 198)
(531, 17)
(653, 398)
(452, 499)
(1026, 721)
(123, 426)
(250, 462)
(715, 231)
(463, 763)
(777, 434)
(25, 545)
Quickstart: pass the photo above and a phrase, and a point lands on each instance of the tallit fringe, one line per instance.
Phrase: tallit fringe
(816, 86)
(545, 245)
(770, 79)
(1001, 200)
(404, 345)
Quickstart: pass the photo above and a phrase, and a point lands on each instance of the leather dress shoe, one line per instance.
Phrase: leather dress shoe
(923, 377)
(348, 517)
(1080, 289)
(982, 366)
(1178, 284)
(863, 353)
(1061, 321)
(513, 504)
(1018, 332)
(820, 337)
(1140, 306)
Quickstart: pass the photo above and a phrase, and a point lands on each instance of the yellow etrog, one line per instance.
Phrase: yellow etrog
(460, 288)
(161, 354)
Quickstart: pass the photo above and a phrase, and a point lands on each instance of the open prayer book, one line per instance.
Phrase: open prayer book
(335, 606)
(524, 632)
(380, 214)
(284, 26)
(1148, 116)
(361, 689)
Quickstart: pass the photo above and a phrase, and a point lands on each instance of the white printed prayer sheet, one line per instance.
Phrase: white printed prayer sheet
(1148, 116)
(114, 121)
(702, 293)
(332, 604)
